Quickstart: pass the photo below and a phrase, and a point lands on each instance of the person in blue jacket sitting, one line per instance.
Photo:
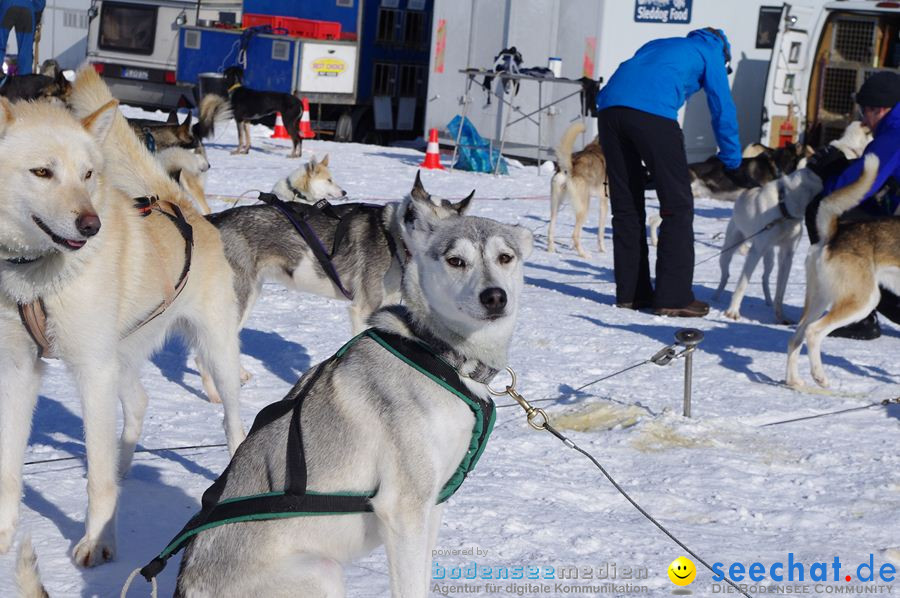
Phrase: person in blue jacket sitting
(879, 109)
(23, 16)
(637, 121)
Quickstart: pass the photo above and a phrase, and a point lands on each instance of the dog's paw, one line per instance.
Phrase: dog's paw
(90, 552)
(583, 254)
(245, 376)
(551, 248)
(820, 378)
(733, 314)
(236, 152)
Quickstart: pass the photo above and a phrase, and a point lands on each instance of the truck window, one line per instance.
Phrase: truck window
(767, 26)
(127, 27)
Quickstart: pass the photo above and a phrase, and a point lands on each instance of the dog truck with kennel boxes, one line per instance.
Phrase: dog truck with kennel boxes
(591, 38)
(133, 44)
(822, 56)
(362, 64)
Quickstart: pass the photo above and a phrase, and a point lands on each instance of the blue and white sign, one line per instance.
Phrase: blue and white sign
(662, 11)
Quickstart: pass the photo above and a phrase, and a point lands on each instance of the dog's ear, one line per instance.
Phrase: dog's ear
(311, 165)
(99, 123)
(525, 239)
(418, 192)
(173, 118)
(185, 127)
(324, 161)
(6, 115)
(461, 206)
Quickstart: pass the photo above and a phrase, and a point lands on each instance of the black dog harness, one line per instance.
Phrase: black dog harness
(298, 215)
(295, 500)
(34, 315)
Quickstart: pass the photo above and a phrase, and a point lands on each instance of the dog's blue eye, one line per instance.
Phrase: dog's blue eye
(505, 258)
(44, 173)
(456, 262)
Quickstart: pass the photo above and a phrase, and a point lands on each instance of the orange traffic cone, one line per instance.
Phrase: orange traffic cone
(432, 152)
(280, 131)
(306, 131)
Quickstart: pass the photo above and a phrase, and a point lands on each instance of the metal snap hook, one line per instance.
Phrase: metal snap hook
(509, 387)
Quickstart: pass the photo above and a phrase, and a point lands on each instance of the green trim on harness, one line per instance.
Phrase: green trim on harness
(479, 438)
(297, 501)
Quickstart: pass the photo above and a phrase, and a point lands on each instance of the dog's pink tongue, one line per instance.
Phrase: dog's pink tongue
(75, 244)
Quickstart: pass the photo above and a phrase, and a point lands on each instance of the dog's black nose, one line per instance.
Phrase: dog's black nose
(343, 194)
(494, 299)
(88, 224)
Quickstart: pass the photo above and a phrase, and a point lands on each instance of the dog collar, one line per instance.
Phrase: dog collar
(235, 86)
(296, 192)
(782, 206)
(149, 140)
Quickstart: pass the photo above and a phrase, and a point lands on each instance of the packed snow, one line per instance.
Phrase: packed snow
(732, 490)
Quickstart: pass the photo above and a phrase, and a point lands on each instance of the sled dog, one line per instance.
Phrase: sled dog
(309, 184)
(262, 245)
(578, 176)
(781, 204)
(73, 244)
(370, 421)
(247, 104)
(843, 272)
(188, 168)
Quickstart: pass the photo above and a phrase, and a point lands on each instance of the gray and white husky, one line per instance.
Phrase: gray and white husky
(262, 246)
(370, 422)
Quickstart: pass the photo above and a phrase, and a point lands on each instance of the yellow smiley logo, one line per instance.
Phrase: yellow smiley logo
(682, 571)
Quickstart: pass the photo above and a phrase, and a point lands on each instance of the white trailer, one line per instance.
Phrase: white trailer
(133, 44)
(592, 37)
(823, 54)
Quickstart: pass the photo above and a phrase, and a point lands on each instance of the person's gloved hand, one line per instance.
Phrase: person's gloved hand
(827, 162)
(740, 178)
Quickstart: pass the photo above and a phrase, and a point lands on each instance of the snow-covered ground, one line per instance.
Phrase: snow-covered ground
(730, 489)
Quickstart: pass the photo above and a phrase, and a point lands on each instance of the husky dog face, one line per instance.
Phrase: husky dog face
(466, 273)
(49, 172)
(319, 182)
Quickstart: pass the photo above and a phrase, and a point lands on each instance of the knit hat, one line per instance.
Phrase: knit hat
(881, 90)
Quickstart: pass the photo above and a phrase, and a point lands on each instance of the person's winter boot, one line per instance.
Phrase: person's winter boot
(864, 330)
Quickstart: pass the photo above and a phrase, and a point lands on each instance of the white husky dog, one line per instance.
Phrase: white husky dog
(371, 422)
(780, 205)
(309, 183)
(72, 242)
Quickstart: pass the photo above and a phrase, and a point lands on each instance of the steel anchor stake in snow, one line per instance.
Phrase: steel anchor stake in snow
(689, 338)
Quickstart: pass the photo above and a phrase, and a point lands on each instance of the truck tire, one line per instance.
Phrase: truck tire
(343, 130)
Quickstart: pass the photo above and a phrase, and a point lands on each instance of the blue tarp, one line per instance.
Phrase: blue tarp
(474, 152)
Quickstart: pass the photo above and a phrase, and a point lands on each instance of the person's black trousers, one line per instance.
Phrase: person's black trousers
(629, 136)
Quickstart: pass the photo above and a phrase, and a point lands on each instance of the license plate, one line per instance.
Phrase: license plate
(136, 74)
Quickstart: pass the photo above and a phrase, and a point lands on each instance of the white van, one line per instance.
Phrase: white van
(133, 44)
(822, 56)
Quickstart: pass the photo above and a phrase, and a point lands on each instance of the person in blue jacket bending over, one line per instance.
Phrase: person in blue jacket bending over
(879, 109)
(23, 16)
(637, 121)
